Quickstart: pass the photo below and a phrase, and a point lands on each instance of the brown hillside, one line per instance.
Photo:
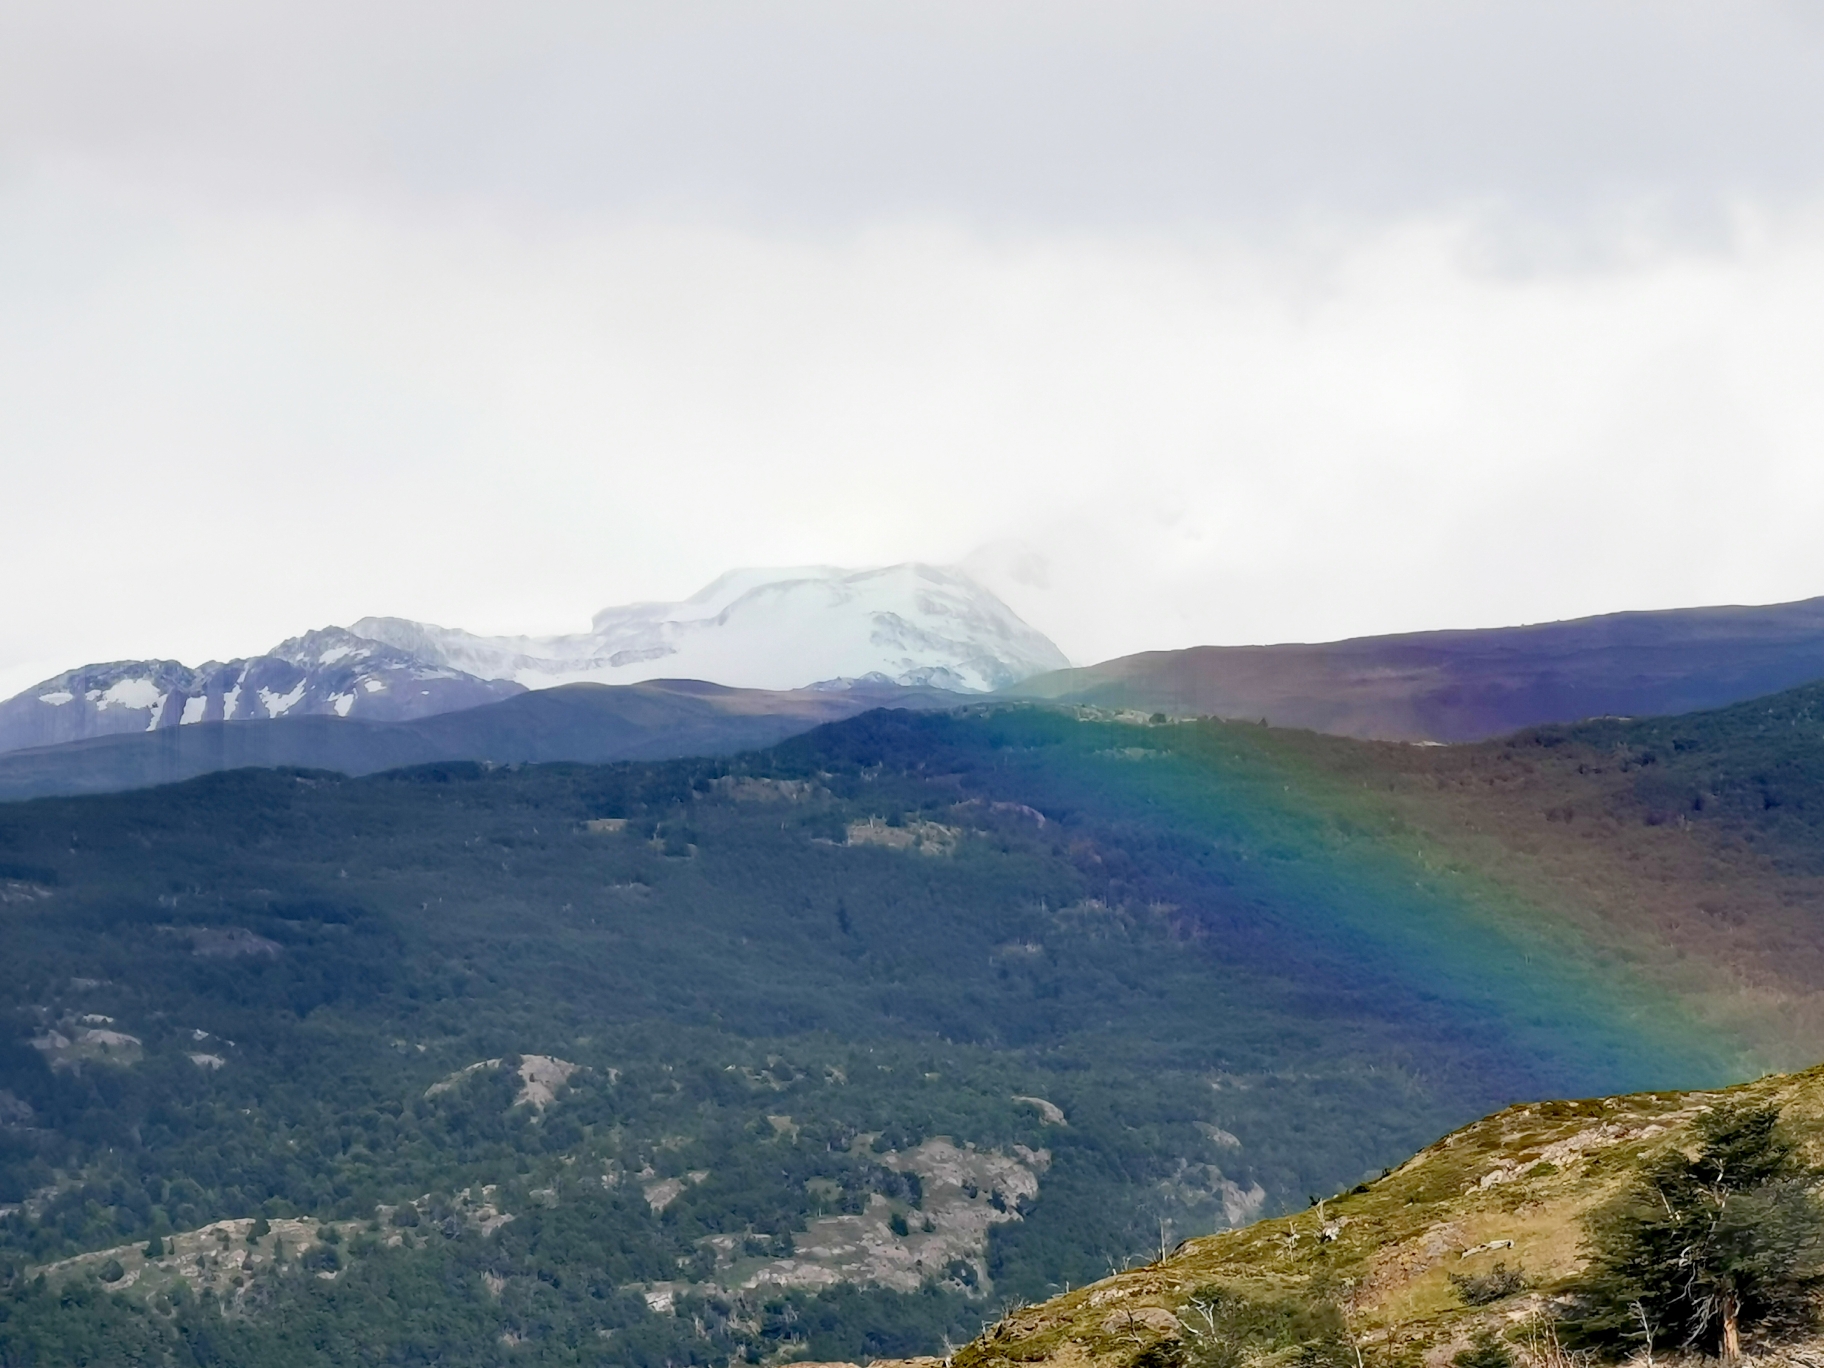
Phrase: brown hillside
(1468, 685)
(1509, 1190)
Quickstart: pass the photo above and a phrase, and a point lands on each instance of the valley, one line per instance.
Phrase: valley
(674, 1061)
(911, 686)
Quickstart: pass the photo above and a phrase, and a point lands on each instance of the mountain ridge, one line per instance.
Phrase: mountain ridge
(901, 626)
(1470, 684)
(327, 671)
(578, 723)
(910, 624)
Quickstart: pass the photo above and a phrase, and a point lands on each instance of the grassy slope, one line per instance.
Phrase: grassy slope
(1527, 1174)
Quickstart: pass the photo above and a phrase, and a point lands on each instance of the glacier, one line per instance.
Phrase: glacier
(811, 626)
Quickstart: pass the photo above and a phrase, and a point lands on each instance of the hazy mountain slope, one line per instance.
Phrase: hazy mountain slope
(1468, 685)
(1160, 978)
(587, 723)
(327, 673)
(1511, 1190)
(1678, 851)
(769, 629)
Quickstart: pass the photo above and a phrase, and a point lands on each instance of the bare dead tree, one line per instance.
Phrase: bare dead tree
(1646, 1328)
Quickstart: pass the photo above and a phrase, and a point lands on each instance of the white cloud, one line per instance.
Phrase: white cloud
(1196, 326)
(1203, 440)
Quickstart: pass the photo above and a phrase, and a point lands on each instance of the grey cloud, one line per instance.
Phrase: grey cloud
(491, 313)
(1024, 114)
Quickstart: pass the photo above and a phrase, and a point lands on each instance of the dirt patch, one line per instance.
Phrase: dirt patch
(927, 838)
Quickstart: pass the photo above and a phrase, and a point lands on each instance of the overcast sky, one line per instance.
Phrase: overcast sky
(1178, 323)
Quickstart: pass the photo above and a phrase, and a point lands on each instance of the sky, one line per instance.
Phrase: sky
(1174, 323)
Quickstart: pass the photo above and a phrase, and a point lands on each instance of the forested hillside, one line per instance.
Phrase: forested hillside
(831, 1050)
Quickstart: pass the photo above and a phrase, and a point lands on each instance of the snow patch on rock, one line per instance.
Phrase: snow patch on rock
(130, 693)
(331, 672)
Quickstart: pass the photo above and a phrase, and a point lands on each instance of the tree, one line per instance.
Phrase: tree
(1486, 1351)
(1704, 1247)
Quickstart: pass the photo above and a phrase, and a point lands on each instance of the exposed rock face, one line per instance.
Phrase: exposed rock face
(540, 1076)
(965, 1192)
(330, 672)
(79, 1043)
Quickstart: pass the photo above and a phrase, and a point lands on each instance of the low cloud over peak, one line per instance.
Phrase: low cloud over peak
(1245, 323)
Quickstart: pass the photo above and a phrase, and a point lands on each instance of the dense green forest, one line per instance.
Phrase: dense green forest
(828, 1051)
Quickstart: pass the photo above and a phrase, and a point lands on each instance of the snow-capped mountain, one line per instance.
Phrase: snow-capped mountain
(768, 629)
(758, 629)
(331, 671)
